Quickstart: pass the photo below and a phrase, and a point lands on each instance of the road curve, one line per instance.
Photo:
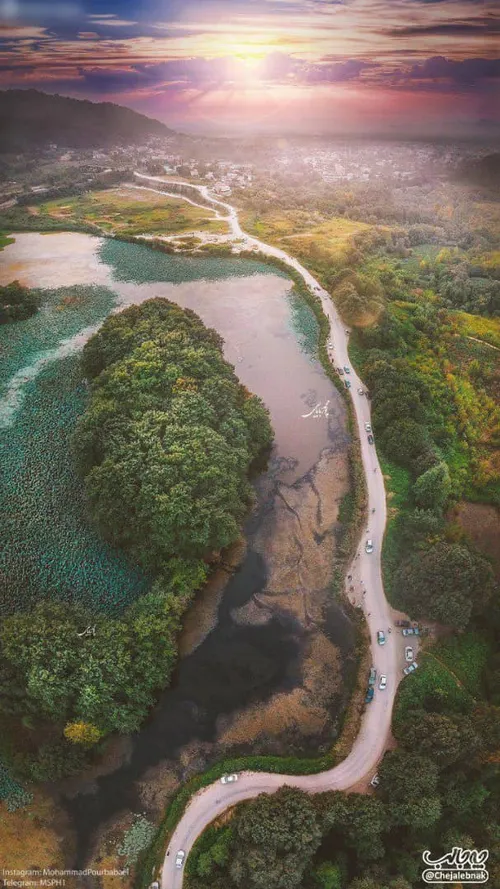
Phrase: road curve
(366, 575)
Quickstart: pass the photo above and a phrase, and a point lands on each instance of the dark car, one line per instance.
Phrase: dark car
(370, 439)
(369, 695)
(402, 623)
(372, 677)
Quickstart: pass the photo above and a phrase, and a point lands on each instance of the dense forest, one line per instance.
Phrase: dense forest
(166, 446)
(31, 119)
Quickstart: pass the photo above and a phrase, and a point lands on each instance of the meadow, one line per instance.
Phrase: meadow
(132, 212)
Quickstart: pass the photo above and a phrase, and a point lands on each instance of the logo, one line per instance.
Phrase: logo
(457, 866)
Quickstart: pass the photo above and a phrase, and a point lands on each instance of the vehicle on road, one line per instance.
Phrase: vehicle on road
(179, 858)
(330, 344)
(382, 683)
(410, 668)
(408, 653)
(368, 427)
(375, 781)
(372, 677)
(228, 779)
(348, 384)
(341, 371)
(369, 546)
(380, 637)
(369, 695)
(402, 623)
(361, 392)
(411, 631)
(370, 439)
(347, 369)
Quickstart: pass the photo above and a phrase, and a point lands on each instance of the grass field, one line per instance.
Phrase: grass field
(308, 236)
(134, 212)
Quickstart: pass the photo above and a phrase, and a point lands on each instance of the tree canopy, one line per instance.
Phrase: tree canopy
(169, 437)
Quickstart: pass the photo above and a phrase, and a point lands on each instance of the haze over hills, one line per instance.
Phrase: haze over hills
(29, 118)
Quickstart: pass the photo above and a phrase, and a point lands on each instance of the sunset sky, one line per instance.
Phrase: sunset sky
(224, 66)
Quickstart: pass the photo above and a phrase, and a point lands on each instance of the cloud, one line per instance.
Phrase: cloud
(454, 29)
(468, 72)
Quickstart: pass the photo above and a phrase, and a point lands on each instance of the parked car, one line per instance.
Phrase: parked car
(370, 438)
(410, 668)
(375, 781)
(411, 631)
(380, 637)
(372, 677)
(341, 371)
(361, 392)
(369, 695)
(348, 384)
(368, 427)
(179, 858)
(228, 779)
(369, 546)
(408, 653)
(402, 623)
(382, 683)
(347, 369)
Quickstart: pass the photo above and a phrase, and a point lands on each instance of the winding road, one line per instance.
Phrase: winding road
(366, 579)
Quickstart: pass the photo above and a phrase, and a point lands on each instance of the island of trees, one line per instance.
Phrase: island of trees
(17, 302)
(166, 447)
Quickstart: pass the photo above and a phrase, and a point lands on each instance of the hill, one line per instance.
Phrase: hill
(29, 118)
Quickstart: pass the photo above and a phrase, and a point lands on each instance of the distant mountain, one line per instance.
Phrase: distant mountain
(29, 119)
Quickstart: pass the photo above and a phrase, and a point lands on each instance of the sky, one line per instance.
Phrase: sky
(416, 67)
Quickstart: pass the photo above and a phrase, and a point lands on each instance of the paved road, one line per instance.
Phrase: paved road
(366, 579)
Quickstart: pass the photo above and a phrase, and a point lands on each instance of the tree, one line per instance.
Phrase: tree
(275, 839)
(405, 775)
(83, 733)
(431, 489)
(417, 813)
(444, 739)
(358, 821)
(328, 876)
(448, 582)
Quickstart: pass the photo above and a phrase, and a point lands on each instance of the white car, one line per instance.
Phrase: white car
(369, 546)
(408, 653)
(179, 858)
(410, 668)
(382, 683)
(361, 391)
(228, 779)
(380, 637)
(375, 781)
(368, 427)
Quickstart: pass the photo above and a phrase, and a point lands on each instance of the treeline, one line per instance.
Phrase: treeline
(166, 447)
(17, 302)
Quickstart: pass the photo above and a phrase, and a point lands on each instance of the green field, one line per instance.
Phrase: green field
(133, 212)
